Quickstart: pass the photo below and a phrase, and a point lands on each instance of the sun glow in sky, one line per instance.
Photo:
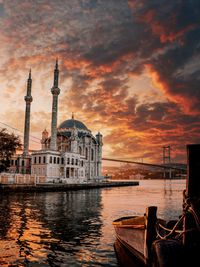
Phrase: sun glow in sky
(129, 69)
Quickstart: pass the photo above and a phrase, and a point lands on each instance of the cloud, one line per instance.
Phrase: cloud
(102, 46)
(176, 24)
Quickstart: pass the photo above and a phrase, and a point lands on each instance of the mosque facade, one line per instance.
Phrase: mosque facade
(71, 154)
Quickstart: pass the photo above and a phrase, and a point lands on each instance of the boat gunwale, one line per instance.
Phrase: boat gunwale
(136, 227)
(129, 217)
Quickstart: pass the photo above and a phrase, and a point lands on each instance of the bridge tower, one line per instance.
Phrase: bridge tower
(166, 154)
(167, 159)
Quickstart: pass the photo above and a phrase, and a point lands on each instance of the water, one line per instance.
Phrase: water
(75, 228)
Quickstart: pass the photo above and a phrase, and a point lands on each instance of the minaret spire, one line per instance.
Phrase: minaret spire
(55, 92)
(28, 99)
(56, 74)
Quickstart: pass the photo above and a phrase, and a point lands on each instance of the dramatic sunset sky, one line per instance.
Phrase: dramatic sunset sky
(130, 69)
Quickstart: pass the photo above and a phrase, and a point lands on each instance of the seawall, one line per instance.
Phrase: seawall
(61, 187)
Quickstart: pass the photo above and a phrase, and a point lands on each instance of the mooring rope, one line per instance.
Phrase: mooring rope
(171, 231)
(188, 206)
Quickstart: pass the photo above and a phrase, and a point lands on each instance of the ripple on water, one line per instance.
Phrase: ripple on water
(75, 228)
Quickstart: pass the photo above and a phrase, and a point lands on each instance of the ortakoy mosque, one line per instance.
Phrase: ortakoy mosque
(71, 154)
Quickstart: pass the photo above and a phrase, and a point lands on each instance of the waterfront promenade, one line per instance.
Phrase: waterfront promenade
(55, 187)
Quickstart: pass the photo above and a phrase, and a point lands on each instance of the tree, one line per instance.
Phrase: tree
(9, 143)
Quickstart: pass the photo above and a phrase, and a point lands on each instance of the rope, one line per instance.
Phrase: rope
(188, 206)
(171, 231)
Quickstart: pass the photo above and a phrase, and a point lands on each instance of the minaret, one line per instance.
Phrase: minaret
(28, 98)
(55, 92)
(99, 138)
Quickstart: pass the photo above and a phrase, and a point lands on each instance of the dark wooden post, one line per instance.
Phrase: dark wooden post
(193, 171)
(192, 186)
(150, 232)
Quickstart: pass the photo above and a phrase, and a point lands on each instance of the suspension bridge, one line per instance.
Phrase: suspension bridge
(169, 166)
(164, 166)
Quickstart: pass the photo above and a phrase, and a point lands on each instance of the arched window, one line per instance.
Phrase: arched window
(92, 154)
(62, 160)
(76, 161)
(44, 159)
(58, 160)
(67, 172)
(50, 160)
(22, 162)
(54, 160)
(68, 160)
(80, 150)
(72, 161)
(39, 160)
(86, 153)
(35, 160)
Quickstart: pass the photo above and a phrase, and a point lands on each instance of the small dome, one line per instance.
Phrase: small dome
(73, 123)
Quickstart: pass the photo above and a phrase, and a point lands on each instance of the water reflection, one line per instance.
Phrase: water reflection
(168, 188)
(75, 228)
(47, 229)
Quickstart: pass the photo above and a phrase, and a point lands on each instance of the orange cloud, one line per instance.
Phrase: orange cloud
(179, 98)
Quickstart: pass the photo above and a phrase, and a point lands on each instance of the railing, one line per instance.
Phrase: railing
(32, 179)
(27, 179)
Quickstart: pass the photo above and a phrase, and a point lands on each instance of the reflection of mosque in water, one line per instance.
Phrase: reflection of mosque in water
(49, 227)
(76, 212)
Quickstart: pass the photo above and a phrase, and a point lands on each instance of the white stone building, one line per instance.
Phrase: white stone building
(78, 155)
(72, 154)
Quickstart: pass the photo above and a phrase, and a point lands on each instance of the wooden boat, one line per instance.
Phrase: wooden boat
(155, 242)
(130, 231)
(137, 233)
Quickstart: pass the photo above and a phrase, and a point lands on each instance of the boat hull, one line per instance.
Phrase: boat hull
(130, 232)
(125, 257)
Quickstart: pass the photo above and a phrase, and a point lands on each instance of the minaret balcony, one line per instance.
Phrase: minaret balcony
(55, 90)
(28, 98)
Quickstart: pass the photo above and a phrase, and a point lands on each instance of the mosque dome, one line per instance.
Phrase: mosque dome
(73, 123)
